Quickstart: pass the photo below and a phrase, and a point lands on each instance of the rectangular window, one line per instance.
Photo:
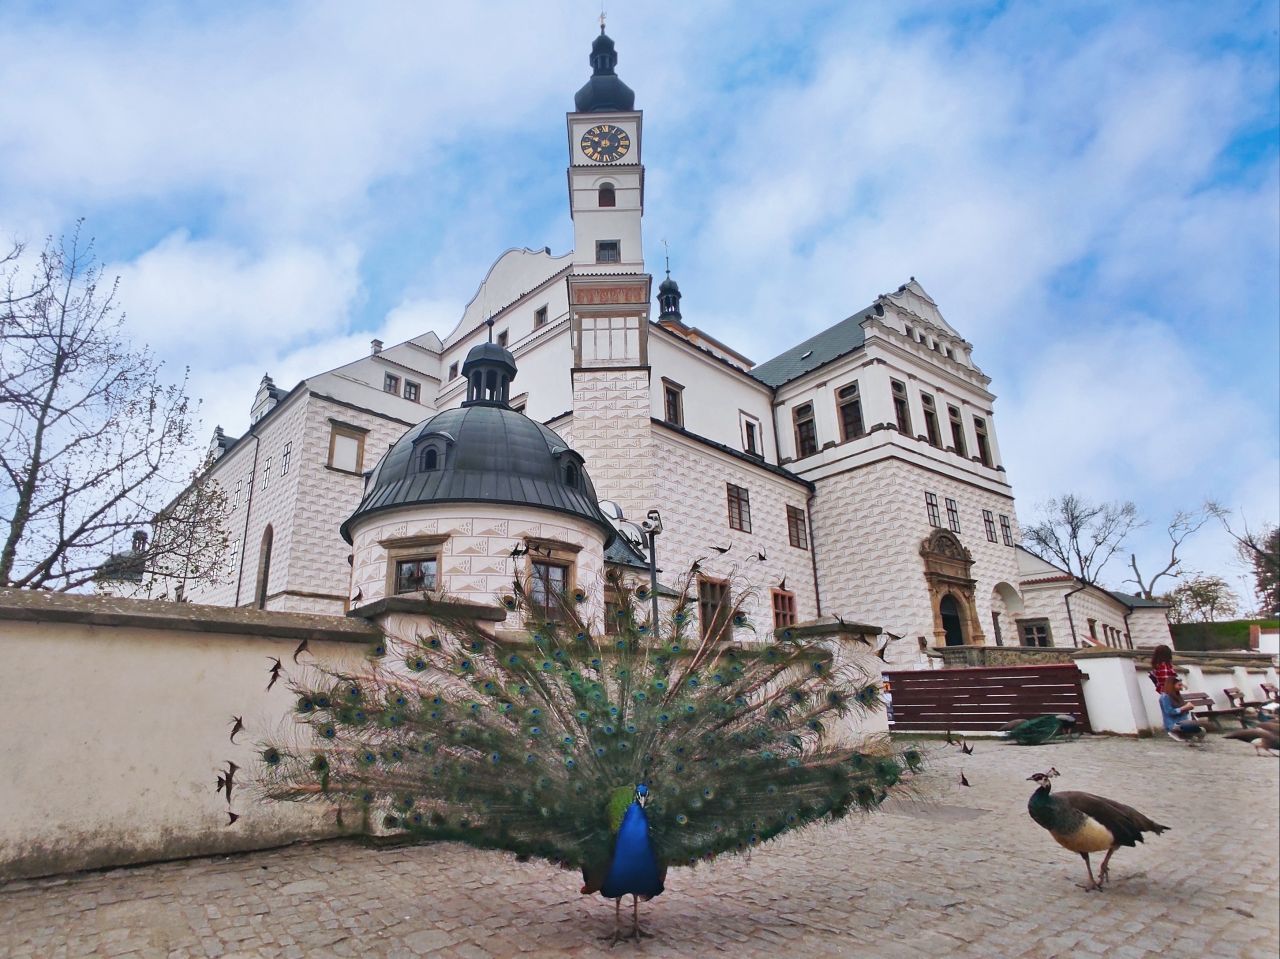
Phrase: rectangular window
(235, 500)
(1035, 632)
(412, 391)
(806, 431)
(266, 473)
(957, 430)
(931, 420)
(739, 507)
(797, 528)
(713, 607)
(984, 444)
(346, 448)
(613, 605)
(849, 404)
(539, 317)
(390, 383)
(901, 408)
(673, 403)
(550, 583)
(751, 434)
(285, 457)
(1093, 629)
(784, 608)
(1006, 530)
(608, 251)
(989, 523)
(502, 339)
(415, 574)
(453, 371)
(931, 504)
(953, 516)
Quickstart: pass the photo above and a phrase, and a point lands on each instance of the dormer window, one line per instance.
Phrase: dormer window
(428, 460)
(606, 196)
(571, 475)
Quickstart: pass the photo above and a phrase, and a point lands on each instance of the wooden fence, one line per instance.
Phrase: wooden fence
(986, 698)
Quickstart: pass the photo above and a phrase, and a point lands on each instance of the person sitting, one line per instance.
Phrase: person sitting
(1161, 668)
(1177, 723)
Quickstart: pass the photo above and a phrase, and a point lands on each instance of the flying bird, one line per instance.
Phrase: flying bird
(963, 781)
(303, 647)
(1086, 824)
(227, 781)
(620, 755)
(237, 726)
(761, 556)
(232, 817)
(276, 667)
(722, 549)
(782, 584)
(1263, 740)
(966, 749)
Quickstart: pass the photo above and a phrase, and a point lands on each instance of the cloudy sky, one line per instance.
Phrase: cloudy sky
(1091, 192)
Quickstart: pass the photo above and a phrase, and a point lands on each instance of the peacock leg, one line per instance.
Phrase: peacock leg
(1093, 883)
(617, 924)
(1104, 872)
(636, 932)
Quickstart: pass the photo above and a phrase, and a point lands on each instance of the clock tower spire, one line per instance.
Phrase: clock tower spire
(606, 177)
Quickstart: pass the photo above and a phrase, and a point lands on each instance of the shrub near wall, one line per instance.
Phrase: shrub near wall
(1211, 637)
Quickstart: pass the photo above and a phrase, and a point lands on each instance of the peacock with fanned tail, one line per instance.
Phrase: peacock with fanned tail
(619, 754)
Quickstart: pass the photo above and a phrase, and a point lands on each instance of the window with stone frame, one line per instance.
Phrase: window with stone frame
(797, 528)
(953, 515)
(608, 251)
(1035, 632)
(957, 430)
(503, 338)
(784, 608)
(414, 574)
(849, 406)
(614, 605)
(806, 430)
(346, 447)
(549, 586)
(901, 407)
(412, 391)
(989, 523)
(453, 371)
(750, 435)
(285, 457)
(390, 383)
(539, 317)
(931, 420)
(739, 507)
(713, 607)
(606, 195)
(1006, 530)
(984, 442)
(266, 473)
(673, 403)
(931, 506)
(235, 499)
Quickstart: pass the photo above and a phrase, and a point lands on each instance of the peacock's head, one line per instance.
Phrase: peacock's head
(1043, 780)
(642, 795)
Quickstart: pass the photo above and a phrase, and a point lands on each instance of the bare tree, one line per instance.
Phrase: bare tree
(1183, 524)
(1260, 551)
(1079, 535)
(1201, 599)
(92, 442)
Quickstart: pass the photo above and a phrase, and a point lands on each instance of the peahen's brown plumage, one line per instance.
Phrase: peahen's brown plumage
(1085, 823)
(1261, 737)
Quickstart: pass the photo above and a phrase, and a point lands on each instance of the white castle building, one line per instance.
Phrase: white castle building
(855, 475)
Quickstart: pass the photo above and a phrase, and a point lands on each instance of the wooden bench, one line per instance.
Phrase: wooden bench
(1236, 698)
(1204, 708)
(1272, 692)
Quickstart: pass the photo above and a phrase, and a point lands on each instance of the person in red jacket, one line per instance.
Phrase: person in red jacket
(1162, 668)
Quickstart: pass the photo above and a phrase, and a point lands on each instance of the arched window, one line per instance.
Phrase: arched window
(606, 195)
(571, 474)
(428, 460)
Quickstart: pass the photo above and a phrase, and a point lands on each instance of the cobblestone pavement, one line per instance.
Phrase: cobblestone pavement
(963, 873)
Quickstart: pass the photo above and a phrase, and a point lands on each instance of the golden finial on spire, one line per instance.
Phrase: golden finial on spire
(602, 18)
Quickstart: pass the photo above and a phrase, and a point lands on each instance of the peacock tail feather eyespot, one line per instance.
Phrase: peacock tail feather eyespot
(328, 731)
(509, 602)
(272, 756)
(579, 596)
(535, 730)
(640, 696)
(664, 718)
(681, 819)
(377, 650)
(368, 757)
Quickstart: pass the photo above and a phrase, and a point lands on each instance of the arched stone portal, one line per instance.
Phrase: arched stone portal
(1006, 604)
(947, 565)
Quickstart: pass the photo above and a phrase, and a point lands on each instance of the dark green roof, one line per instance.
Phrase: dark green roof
(1137, 602)
(845, 337)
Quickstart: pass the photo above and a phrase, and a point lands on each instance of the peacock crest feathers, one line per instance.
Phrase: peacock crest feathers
(534, 742)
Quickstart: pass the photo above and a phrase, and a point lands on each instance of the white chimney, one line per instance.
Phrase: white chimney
(376, 347)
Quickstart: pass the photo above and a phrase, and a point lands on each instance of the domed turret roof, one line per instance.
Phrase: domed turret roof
(484, 452)
(604, 92)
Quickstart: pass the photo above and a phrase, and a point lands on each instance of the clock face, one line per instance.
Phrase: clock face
(605, 143)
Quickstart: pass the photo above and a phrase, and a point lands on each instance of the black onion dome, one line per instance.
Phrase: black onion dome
(604, 92)
(481, 453)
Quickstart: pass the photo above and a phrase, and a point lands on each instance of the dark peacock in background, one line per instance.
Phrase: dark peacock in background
(619, 754)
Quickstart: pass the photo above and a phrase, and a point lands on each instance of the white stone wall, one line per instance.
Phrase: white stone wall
(612, 433)
(691, 494)
(869, 524)
(1149, 627)
(476, 564)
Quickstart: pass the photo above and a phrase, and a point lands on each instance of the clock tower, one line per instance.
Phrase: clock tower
(606, 177)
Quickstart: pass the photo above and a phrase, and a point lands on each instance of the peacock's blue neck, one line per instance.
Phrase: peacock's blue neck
(634, 869)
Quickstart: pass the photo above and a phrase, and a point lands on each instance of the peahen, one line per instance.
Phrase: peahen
(1085, 823)
(619, 754)
(1038, 731)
